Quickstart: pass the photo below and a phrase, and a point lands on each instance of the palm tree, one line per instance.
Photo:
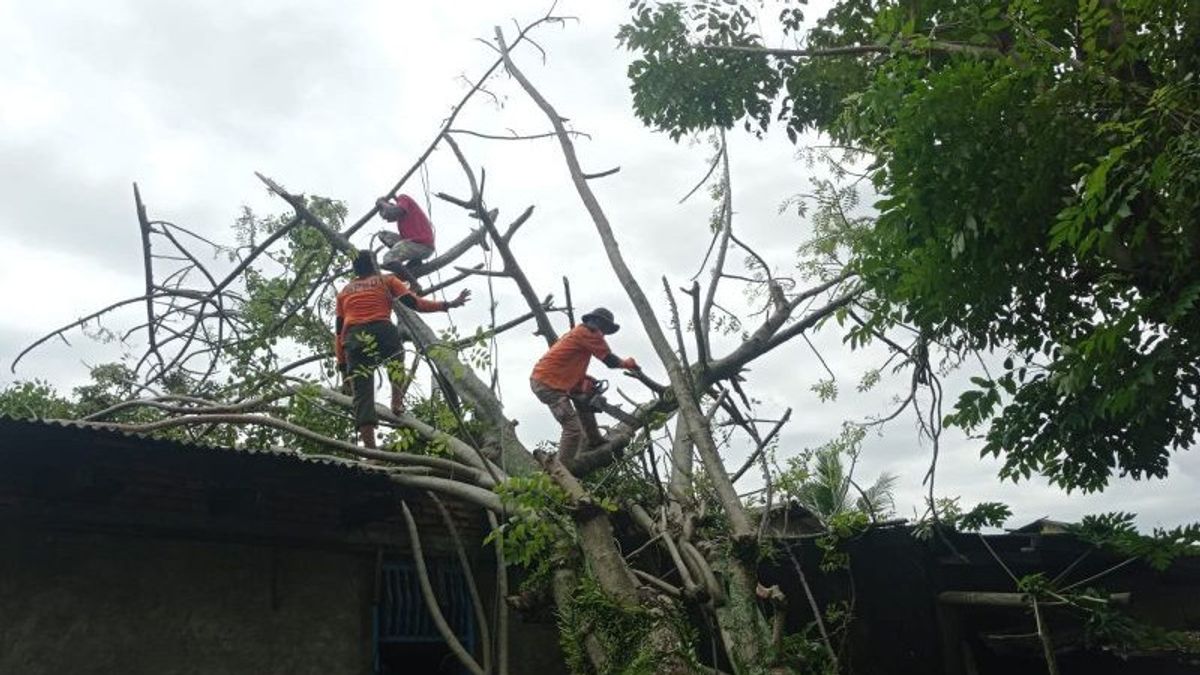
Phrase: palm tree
(821, 481)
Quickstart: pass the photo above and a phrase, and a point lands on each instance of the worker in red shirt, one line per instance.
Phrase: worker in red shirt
(412, 241)
(563, 370)
(367, 339)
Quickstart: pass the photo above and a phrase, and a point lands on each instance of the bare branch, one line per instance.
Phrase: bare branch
(816, 610)
(762, 444)
(511, 267)
(698, 328)
(476, 237)
(485, 639)
(475, 271)
(858, 50)
(501, 602)
(463, 453)
(697, 424)
(769, 336)
(708, 174)
(753, 254)
(601, 174)
(148, 269)
(199, 406)
(659, 584)
(512, 135)
(431, 603)
(705, 326)
(680, 485)
(570, 308)
(451, 468)
(449, 122)
(644, 521)
(58, 332)
(492, 332)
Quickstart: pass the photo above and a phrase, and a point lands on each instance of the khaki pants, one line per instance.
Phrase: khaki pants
(579, 430)
(402, 250)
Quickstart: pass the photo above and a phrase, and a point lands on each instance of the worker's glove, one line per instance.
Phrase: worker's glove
(461, 300)
(630, 364)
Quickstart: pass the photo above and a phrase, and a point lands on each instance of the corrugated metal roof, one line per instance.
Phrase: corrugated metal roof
(281, 454)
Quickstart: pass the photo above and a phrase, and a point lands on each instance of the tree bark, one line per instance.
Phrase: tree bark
(697, 423)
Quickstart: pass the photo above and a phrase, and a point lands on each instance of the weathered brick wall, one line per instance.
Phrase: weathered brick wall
(99, 603)
(131, 555)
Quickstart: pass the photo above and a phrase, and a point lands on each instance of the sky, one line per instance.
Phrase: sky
(338, 99)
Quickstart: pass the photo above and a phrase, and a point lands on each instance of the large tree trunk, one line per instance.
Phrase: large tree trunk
(741, 619)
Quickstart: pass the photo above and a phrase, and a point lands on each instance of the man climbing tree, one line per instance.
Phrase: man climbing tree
(366, 337)
(412, 241)
(562, 371)
(690, 598)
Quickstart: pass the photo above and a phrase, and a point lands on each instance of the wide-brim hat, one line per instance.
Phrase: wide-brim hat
(603, 320)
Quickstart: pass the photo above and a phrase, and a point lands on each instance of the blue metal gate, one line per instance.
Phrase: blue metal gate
(401, 615)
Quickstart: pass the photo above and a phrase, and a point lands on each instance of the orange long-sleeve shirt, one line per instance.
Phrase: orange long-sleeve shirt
(565, 365)
(369, 299)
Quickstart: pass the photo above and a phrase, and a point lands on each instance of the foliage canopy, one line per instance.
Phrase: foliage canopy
(1038, 167)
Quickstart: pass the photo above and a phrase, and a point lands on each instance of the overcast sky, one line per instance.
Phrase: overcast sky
(337, 99)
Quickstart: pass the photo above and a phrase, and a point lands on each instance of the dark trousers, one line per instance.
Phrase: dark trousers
(368, 346)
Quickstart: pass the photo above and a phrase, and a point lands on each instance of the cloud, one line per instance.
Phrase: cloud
(337, 100)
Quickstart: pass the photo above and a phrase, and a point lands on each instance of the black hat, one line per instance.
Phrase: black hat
(603, 320)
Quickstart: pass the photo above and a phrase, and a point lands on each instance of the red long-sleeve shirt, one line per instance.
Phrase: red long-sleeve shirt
(414, 225)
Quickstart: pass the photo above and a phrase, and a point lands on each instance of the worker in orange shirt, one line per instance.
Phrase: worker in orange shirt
(367, 339)
(563, 370)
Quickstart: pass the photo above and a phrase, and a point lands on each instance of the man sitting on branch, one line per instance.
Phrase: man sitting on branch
(413, 240)
(367, 338)
(562, 371)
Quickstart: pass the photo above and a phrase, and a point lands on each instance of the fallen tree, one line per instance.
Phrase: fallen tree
(222, 337)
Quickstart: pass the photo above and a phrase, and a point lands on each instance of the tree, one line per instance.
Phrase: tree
(821, 481)
(1037, 166)
(252, 343)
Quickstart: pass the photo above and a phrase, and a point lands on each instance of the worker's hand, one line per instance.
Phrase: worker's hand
(461, 300)
(389, 210)
(630, 364)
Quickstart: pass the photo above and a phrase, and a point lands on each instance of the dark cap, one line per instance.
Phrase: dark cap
(602, 319)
